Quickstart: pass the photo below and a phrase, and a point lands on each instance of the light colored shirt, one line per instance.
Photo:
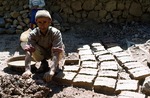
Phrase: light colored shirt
(39, 3)
(53, 38)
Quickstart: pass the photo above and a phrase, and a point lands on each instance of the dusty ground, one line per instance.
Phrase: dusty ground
(87, 33)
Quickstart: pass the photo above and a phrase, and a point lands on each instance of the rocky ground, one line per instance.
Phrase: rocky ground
(127, 35)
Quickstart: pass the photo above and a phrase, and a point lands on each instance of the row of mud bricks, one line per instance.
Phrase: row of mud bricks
(106, 69)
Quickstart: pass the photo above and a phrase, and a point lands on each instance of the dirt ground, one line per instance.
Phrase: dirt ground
(129, 36)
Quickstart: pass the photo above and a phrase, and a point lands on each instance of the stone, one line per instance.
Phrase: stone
(92, 15)
(111, 5)
(76, 6)
(135, 9)
(89, 5)
(102, 14)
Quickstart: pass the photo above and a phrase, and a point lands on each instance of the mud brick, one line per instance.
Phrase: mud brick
(131, 65)
(126, 85)
(72, 62)
(125, 59)
(72, 56)
(140, 72)
(98, 48)
(87, 58)
(96, 44)
(72, 68)
(115, 49)
(89, 64)
(107, 57)
(121, 54)
(109, 65)
(124, 76)
(88, 71)
(97, 53)
(65, 77)
(84, 47)
(84, 81)
(108, 73)
(104, 85)
(85, 52)
(130, 94)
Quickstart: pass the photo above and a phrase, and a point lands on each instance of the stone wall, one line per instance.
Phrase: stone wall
(14, 14)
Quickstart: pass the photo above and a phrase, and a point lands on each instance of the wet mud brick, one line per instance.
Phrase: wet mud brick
(89, 64)
(121, 54)
(108, 73)
(106, 57)
(104, 85)
(109, 65)
(139, 73)
(71, 68)
(96, 44)
(65, 78)
(126, 85)
(83, 47)
(132, 65)
(97, 53)
(85, 52)
(130, 94)
(84, 81)
(98, 48)
(72, 56)
(88, 71)
(125, 59)
(87, 57)
(115, 49)
(124, 75)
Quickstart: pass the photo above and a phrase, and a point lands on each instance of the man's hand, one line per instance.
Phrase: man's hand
(48, 75)
(27, 74)
(29, 48)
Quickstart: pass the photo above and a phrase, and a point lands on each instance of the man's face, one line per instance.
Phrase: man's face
(43, 23)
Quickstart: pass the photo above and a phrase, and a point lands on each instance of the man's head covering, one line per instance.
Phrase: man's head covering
(42, 13)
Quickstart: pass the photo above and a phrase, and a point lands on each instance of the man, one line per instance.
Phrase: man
(35, 5)
(44, 44)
